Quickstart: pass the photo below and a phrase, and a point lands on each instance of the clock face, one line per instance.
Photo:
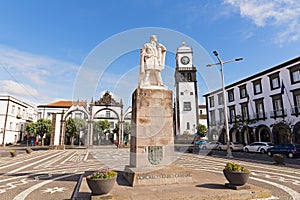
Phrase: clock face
(185, 60)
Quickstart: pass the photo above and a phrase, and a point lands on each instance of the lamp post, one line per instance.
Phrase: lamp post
(221, 63)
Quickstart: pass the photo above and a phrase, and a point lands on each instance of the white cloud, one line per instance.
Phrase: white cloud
(20, 62)
(36, 76)
(282, 14)
(10, 87)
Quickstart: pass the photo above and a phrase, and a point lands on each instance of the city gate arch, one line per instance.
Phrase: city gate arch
(107, 108)
(77, 110)
(113, 117)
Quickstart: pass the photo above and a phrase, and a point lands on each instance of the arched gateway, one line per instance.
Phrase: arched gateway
(106, 108)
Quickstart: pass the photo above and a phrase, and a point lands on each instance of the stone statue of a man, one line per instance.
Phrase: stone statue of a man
(152, 61)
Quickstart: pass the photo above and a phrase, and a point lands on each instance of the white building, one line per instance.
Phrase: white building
(106, 108)
(186, 103)
(262, 107)
(46, 111)
(14, 115)
(202, 115)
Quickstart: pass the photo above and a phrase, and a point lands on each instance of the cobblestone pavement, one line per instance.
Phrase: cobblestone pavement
(282, 180)
(53, 174)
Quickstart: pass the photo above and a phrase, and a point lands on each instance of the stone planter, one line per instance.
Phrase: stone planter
(236, 178)
(101, 186)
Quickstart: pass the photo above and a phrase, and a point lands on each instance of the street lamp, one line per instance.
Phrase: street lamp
(221, 63)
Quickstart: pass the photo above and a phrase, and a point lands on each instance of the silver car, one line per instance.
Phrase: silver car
(234, 146)
(258, 147)
(211, 145)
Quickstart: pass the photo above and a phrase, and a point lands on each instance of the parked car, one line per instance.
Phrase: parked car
(211, 145)
(258, 147)
(290, 150)
(234, 146)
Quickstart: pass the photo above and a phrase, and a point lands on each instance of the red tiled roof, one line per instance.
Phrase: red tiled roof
(66, 103)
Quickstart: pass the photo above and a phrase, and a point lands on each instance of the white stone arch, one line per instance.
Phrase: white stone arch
(127, 112)
(263, 133)
(76, 108)
(117, 110)
(107, 108)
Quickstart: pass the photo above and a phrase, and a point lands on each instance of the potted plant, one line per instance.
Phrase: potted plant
(279, 158)
(13, 152)
(236, 174)
(102, 181)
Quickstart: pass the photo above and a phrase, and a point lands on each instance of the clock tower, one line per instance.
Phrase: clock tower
(186, 103)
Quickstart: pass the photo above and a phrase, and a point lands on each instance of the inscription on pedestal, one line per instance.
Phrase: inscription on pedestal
(163, 176)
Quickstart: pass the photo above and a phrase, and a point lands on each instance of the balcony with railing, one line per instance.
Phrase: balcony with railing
(239, 119)
(259, 116)
(278, 113)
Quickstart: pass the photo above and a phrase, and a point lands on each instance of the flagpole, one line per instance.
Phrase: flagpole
(282, 92)
(250, 104)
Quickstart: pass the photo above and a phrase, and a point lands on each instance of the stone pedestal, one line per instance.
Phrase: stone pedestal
(152, 140)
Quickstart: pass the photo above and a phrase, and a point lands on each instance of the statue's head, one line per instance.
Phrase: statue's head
(153, 38)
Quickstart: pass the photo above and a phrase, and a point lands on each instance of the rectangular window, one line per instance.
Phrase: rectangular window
(212, 117)
(107, 114)
(245, 113)
(259, 106)
(274, 81)
(220, 99)
(231, 113)
(191, 93)
(297, 101)
(257, 87)
(295, 74)
(277, 106)
(13, 109)
(296, 98)
(211, 102)
(187, 106)
(188, 125)
(243, 91)
(181, 93)
(221, 115)
(230, 95)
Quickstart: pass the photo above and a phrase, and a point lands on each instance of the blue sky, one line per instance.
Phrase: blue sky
(44, 45)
